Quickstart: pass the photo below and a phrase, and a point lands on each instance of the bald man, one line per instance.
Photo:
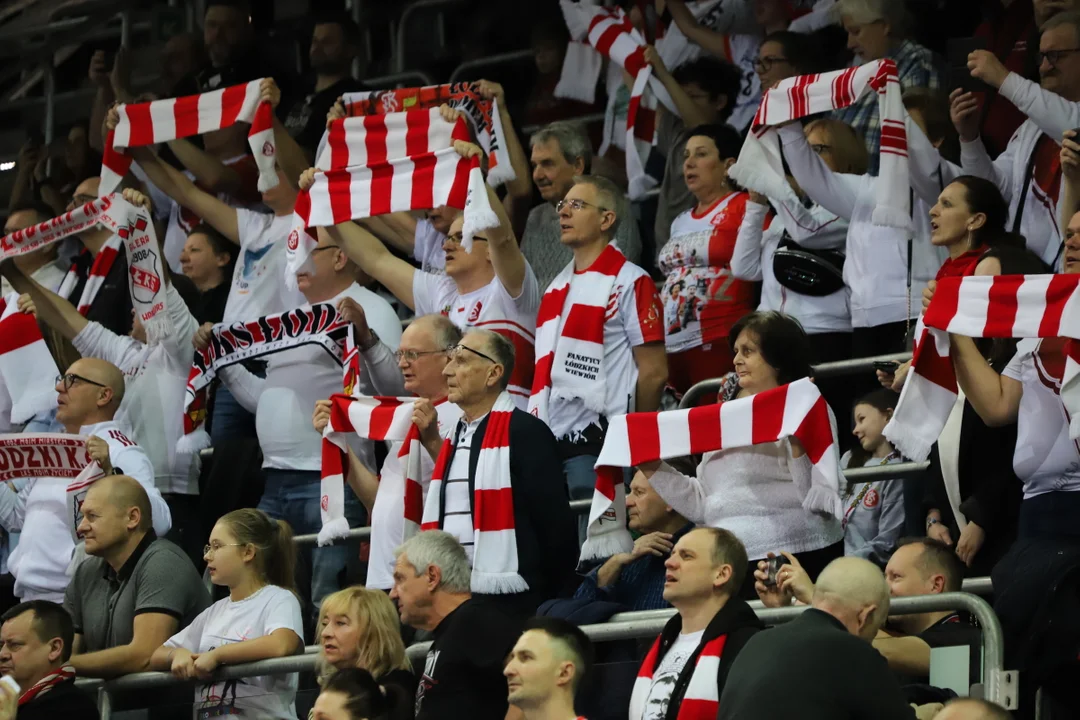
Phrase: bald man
(135, 591)
(973, 709)
(792, 670)
(88, 396)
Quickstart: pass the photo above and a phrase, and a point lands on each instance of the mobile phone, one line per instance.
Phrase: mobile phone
(958, 74)
(886, 366)
(775, 563)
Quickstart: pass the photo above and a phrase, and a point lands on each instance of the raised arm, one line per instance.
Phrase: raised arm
(928, 172)
(836, 192)
(395, 229)
(209, 171)
(974, 159)
(521, 185)
(691, 114)
(712, 41)
(1070, 172)
(47, 306)
(746, 258)
(292, 158)
(684, 493)
(996, 398)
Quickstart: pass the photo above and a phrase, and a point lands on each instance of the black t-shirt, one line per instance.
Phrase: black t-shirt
(306, 119)
(951, 631)
(463, 672)
(112, 304)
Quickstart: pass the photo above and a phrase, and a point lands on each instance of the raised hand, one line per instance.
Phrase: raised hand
(98, 450)
(964, 112)
(321, 417)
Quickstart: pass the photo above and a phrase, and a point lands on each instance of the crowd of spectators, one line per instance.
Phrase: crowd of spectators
(577, 307)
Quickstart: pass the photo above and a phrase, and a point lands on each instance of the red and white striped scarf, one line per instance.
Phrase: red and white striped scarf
(27, 370)
(1005, 306)
(378, 164)
(794, 410)
(610, 32)
(319, 325)
(174, 118)
(47, 683)
(133, 230)
(495, 556)
(380, 419)
(483, 115)
(33, 455)
(702, 698)
(570, 335)
(760, 167)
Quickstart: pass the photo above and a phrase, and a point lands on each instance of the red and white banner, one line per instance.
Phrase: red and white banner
(761, 168)
(27, 369)
(76, 493)
(1003, 306)
(33, 455)
(795, 410)
(174, 118)
(379, 164)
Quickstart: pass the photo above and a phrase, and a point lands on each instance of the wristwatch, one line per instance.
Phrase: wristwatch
(931, 521)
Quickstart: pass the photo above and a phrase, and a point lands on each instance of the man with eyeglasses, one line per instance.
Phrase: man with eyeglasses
(491, 287)
(42, 265)
(102, 257)
(284, 400)
(88, 397)
(1028, 172)
(600, 336)
(473, 504)
(415, 369)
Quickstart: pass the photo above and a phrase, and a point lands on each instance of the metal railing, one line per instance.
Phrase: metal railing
(386, 82)
(998, 685)
(403, 25)
(823, 370)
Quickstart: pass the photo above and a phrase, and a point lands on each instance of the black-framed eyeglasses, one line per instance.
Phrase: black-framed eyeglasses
(820, 148)
(455, 353)
(80, 200)
(411, 356)
(70, 378)
(575, 204)
(764, 65)
(1054, 56)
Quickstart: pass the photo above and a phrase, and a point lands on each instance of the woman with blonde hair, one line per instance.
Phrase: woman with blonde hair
(359, 628)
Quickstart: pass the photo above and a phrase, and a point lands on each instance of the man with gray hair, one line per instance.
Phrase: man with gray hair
(472, 637)
(501, 491)
(599, 334)
(561, 151)
(791, 669)
(416, 368)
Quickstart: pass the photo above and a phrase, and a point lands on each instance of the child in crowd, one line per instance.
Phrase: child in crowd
(254, 557)
(873, 511)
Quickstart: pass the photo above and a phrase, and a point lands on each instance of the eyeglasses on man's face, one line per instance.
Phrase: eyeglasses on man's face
(576, 204)
(765, 64)
(411, 356)
(458, 353)
(1053, 57)
(70, 379)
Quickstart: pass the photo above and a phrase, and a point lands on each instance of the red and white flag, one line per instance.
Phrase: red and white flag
(174, 118)
(1004, 306)
(377, 164)
(761, 168)
(27, 370)
(795, 410)
(610, 32)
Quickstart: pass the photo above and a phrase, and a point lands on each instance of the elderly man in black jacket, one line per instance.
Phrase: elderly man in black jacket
(501, 488)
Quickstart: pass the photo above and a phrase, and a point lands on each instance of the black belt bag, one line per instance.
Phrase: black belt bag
(816, 273)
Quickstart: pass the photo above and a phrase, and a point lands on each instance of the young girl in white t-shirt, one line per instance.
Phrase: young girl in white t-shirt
(254, 556)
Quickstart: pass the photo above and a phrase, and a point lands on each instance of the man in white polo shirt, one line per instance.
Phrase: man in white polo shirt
(88, 396)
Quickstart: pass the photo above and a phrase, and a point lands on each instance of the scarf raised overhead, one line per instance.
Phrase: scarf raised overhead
(483, 115)
(27, 370)
(610, 32)
(702, 698)
(1004, 306)
(377, 164)
(174, 118)
(570, 335)
(495, 557)
(795, 410)
(231, 343)
(133, 231)
(760, 166)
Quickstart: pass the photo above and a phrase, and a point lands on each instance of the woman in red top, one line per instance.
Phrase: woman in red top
(702, 298)
(969, 218)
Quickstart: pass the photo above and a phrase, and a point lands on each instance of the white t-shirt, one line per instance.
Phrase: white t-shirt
(1046, 459)
(634, 317)
(428, 247)
(743, 51)
(489, 308)
(268, 696)
(388, 513)
(667, 673)
(258, 284)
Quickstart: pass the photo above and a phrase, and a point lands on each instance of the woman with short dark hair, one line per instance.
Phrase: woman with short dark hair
(760, 492)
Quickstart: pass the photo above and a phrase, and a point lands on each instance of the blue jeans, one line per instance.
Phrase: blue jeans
(293, 496)
(581, 480)
(230, 419)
